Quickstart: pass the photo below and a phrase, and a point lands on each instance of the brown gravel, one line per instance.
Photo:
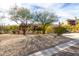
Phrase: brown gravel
(19, 45)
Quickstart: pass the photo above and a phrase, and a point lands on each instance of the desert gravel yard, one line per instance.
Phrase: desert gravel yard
(19, 45)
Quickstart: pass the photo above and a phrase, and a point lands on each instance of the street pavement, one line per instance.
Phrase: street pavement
(62, 46)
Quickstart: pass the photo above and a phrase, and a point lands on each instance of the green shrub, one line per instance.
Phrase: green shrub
(60, 30)
(9, 28)
(1, 29)
(74, 28)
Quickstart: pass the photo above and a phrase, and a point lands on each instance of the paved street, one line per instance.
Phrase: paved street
(56, 49)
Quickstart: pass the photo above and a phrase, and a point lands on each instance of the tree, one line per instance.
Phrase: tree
(45, 18)
(20, 14)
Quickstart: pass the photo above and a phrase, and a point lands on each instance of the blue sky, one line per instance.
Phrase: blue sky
(62, 10)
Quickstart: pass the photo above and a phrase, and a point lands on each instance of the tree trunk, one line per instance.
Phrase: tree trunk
(44, 29)
(24, 31)
(14, 32)
(18, 31)
(23, 26)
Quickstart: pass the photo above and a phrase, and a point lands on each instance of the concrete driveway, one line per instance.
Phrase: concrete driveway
(71, 35)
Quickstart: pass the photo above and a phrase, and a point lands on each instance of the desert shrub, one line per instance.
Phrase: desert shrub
(9, 28)
(40, 28)
(49, 29)
(36, 28)
(46, 28)
(1, 29)
(14, 27)
(43, 29)
(60, 30)
(77, 28)
(71, 28)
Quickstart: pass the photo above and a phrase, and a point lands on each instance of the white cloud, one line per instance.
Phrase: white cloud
(5, 4)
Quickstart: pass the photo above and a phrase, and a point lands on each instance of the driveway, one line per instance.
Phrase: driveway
(71, 35)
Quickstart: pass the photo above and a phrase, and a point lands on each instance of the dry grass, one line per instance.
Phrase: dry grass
(16, 45)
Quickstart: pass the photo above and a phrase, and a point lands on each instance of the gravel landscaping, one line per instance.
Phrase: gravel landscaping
(19, 45)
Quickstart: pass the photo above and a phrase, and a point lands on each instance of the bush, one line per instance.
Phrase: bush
(49, 29)
(71, 28)
(7, 29)
(1, 29)
(60, 30)
(35, 28)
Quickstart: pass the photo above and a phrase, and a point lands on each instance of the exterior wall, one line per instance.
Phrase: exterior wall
(64, 22)
(71, 22)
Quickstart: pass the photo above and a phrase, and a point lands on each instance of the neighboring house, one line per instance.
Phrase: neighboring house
(64, 22)
(70, 22)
